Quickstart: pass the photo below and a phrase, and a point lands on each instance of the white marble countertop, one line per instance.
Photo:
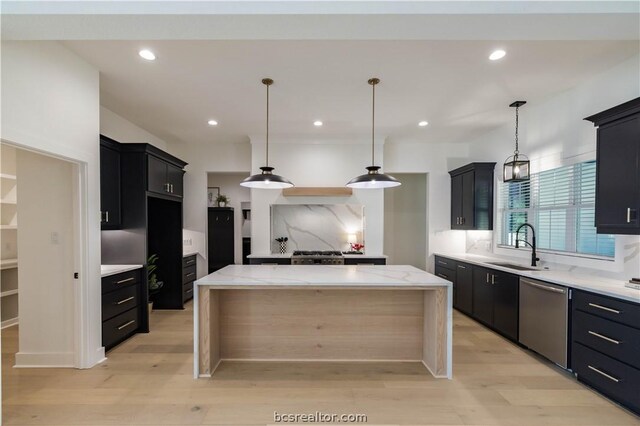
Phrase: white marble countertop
(186, 253)
(322, 276)
(580, 281)
(288, 255)
(106, 270)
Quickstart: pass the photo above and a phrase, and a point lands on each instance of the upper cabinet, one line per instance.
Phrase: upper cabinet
(472, 197)
(618, 169)
(164, 176)
(109, 184)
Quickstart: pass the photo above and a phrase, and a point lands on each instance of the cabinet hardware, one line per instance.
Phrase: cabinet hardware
(189, 290)
(602, 373)
(443, 276)
(190, 274)
(493, 279)
(126, 324)
(441, 262)
(462, 220)
(107, 216)
(604, 308)
(462, 267)
(543, 287)
(189, 262)
(125, 300)
(171, 186)
(125, 281)
(487, 280)
(608, 339)
(166, 187)
(457, 221)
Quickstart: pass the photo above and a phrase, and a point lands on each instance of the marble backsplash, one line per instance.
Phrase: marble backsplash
(316, 226)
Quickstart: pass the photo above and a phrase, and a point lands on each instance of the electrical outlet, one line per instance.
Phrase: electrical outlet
(488, 245)
(187, 242)
(55, 238)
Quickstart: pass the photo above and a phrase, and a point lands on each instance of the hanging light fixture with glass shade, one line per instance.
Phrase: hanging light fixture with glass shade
(516, 168)
(266, 179)
(373, 179)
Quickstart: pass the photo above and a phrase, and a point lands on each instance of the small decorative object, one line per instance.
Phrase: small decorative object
(150, 307)
(283, 244)
(222, 200)
(212, 193)
(152, 278)
(356, 247)
(516, 168)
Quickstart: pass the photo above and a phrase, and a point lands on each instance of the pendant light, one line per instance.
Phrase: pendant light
(516, 168)
(373, 179)
(266, 179)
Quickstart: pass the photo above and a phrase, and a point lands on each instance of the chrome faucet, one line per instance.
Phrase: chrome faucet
(534, 258)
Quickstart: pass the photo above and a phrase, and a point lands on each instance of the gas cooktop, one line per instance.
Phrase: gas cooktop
(317, 253)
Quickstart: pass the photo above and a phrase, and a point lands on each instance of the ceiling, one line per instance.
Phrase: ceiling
(451, 84)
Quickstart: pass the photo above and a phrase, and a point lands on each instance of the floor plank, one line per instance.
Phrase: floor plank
(148, 381)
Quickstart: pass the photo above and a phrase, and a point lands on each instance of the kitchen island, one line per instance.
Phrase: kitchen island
(322, 313)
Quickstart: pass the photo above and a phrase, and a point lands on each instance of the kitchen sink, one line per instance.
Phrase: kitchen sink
(513, 266)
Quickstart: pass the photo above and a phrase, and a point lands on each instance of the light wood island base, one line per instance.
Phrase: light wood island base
(285, 322)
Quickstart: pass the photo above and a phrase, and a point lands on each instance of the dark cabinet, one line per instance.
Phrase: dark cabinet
(472, 197)
(464, 288)
(188, 277)
(163, 177)
(221, 237)
(109, 184)
(605, 345)
(122, 308)
(618, 169)
(365, 260)
(495, 300)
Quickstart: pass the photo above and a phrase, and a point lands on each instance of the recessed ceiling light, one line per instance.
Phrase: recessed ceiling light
(317, 123)
(212, 123)
(147, 54)
(423, 123)
(497, 54)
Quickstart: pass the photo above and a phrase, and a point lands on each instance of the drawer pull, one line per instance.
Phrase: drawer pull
(127, 324)
(608, 339)
(602, 373)
(189, 291)
(442, 263)
(443, 276)
(604, 308)
(125, 281)
(190, 274)
(125, 300)
(189, 262)
(462, 267)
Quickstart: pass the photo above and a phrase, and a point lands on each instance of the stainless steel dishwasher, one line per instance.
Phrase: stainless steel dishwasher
(544, 319)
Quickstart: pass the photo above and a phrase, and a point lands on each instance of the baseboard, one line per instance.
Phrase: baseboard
(9, 323)
(45, 360)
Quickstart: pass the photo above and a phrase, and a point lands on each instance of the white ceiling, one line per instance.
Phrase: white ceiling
(451, 84)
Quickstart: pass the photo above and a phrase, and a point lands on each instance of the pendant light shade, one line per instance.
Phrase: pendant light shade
(517, 167)
(266, 179)
(373, 179)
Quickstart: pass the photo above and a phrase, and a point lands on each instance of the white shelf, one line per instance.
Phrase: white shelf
(8, 227)
(9, 293)
(7, 176)
(8, 264)
(9, 322)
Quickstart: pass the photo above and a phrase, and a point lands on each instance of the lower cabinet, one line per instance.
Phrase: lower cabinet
(123, 304)
(495, 300)
(605, 346)
(464, 288)
(188, 277)
(365, 261)
(270, 261)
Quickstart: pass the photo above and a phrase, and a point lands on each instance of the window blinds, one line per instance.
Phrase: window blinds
(560, 204)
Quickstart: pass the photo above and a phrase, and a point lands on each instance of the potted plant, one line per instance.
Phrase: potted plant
(152, 279)
(222, 200)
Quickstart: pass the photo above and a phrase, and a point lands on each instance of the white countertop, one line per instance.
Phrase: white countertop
(186, 253)
(322, 276)
(288, 255)
(595, 284)
(107, 270)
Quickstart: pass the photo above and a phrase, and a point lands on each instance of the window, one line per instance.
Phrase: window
(560, 204)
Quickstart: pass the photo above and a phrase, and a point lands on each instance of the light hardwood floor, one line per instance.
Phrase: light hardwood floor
(148, 381)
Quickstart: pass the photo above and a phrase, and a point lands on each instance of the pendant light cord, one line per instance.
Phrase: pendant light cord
(373, 122)
(516, 151)
(267, 144)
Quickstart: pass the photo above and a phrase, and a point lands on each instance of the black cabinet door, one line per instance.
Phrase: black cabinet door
(221, 240)
(109, 187)
(505, 303)
(468, 200)
(618, 177)
(482, 295)
(464, 288)
(456, 202)
(174, 179)
(157, 175)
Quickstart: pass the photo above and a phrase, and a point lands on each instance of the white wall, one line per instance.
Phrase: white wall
(211, 157)
(553, 133)
(316, 163)
(50, 103)
(229, 184)
(46, 237)
(122, 130)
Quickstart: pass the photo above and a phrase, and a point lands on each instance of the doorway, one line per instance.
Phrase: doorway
(41, 242)
(405, 221)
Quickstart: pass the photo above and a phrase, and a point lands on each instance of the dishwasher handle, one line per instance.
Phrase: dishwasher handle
(545, 287)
